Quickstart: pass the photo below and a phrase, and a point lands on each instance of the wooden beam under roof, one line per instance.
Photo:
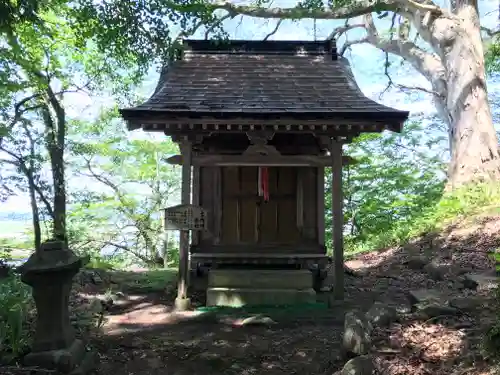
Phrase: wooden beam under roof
(268, 160)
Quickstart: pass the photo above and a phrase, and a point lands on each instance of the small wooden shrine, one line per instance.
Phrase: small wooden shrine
(257, 123)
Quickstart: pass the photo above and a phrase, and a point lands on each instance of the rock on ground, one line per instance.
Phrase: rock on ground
(426, 296)
(467, 304)
(381, 315)
(357, 333)
(416, 262)
(480, 281)
(434, 310)
(362, 365)
(436, 272)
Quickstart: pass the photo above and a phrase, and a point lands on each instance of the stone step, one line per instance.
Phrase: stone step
(239, 297)
(433, 302)
(480, 281)
(429, 303)
(426, 296)
(260, 279)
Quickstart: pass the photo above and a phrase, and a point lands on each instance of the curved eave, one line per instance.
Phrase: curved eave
(137, 118)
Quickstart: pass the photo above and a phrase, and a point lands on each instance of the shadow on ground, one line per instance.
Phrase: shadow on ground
(143, 335)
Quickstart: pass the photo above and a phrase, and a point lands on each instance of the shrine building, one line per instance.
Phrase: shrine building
(257, 123)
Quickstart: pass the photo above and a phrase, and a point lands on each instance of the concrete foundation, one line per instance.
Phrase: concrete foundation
(237, 288)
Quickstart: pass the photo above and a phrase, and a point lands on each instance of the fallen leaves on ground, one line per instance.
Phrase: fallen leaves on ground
(310, 344)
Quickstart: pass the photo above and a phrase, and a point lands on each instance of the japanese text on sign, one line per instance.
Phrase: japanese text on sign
(185, 217)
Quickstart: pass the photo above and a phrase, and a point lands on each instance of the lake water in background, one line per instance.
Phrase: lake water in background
(16, 262)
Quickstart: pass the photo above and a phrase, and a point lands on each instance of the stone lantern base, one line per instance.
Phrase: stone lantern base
(50, 273)
(74, 360)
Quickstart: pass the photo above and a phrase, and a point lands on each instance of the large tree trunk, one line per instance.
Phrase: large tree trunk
(474, 143)
(55, 125)
(59, 194)
(55, 134)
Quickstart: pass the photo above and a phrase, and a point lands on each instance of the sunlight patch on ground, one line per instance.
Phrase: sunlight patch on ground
(146, 316)
(103, 296)
(371, 260)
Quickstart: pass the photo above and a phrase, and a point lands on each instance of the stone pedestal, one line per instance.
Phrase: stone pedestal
(238, 288)
(50, 273)
(182, 304)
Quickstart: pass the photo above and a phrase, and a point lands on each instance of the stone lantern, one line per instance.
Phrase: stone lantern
(50, 273)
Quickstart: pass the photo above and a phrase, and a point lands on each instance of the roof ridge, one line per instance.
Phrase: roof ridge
(261, 47)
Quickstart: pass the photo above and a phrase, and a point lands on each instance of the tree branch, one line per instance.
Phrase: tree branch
(20, 163)
(348, 44)
(186, 33)
(295, 13)
(128, 249)
(275, 30)
(19, 111)
(339, 31)
(350, 10)
(239, 23)
(371, 29)
(103, 180)
(491, 33)
(217, 23)
(427, 64)
(141, 224)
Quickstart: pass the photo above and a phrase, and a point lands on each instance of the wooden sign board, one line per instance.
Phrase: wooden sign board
(185, 217)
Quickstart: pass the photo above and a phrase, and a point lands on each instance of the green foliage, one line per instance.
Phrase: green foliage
(492, 56)
(491, 341)
(13, 12)
(132, 184)
(395, 179)
(148, 281)
(72, 45)
(47, 54)
(450, 206)
(396, 190)
(464, 201)
(16, 318)
(17, 243)
(136, 34)
(105, 263)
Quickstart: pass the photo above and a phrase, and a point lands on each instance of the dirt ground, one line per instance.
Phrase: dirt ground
(142, 335)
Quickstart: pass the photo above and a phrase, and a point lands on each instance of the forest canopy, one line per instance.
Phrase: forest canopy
(55, 51)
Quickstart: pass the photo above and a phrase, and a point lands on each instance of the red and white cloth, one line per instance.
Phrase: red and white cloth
(263, 181)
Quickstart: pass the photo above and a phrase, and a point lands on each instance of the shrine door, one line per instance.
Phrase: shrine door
(248, 219)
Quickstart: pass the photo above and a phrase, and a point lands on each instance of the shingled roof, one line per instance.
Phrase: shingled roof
(259, 81)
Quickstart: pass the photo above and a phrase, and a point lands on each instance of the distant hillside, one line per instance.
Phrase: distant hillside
(15, 216)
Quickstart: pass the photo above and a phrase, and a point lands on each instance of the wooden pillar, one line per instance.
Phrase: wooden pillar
(182, 301)
(195, 239)
(337, 220)
(320, 196)
(217, 213)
